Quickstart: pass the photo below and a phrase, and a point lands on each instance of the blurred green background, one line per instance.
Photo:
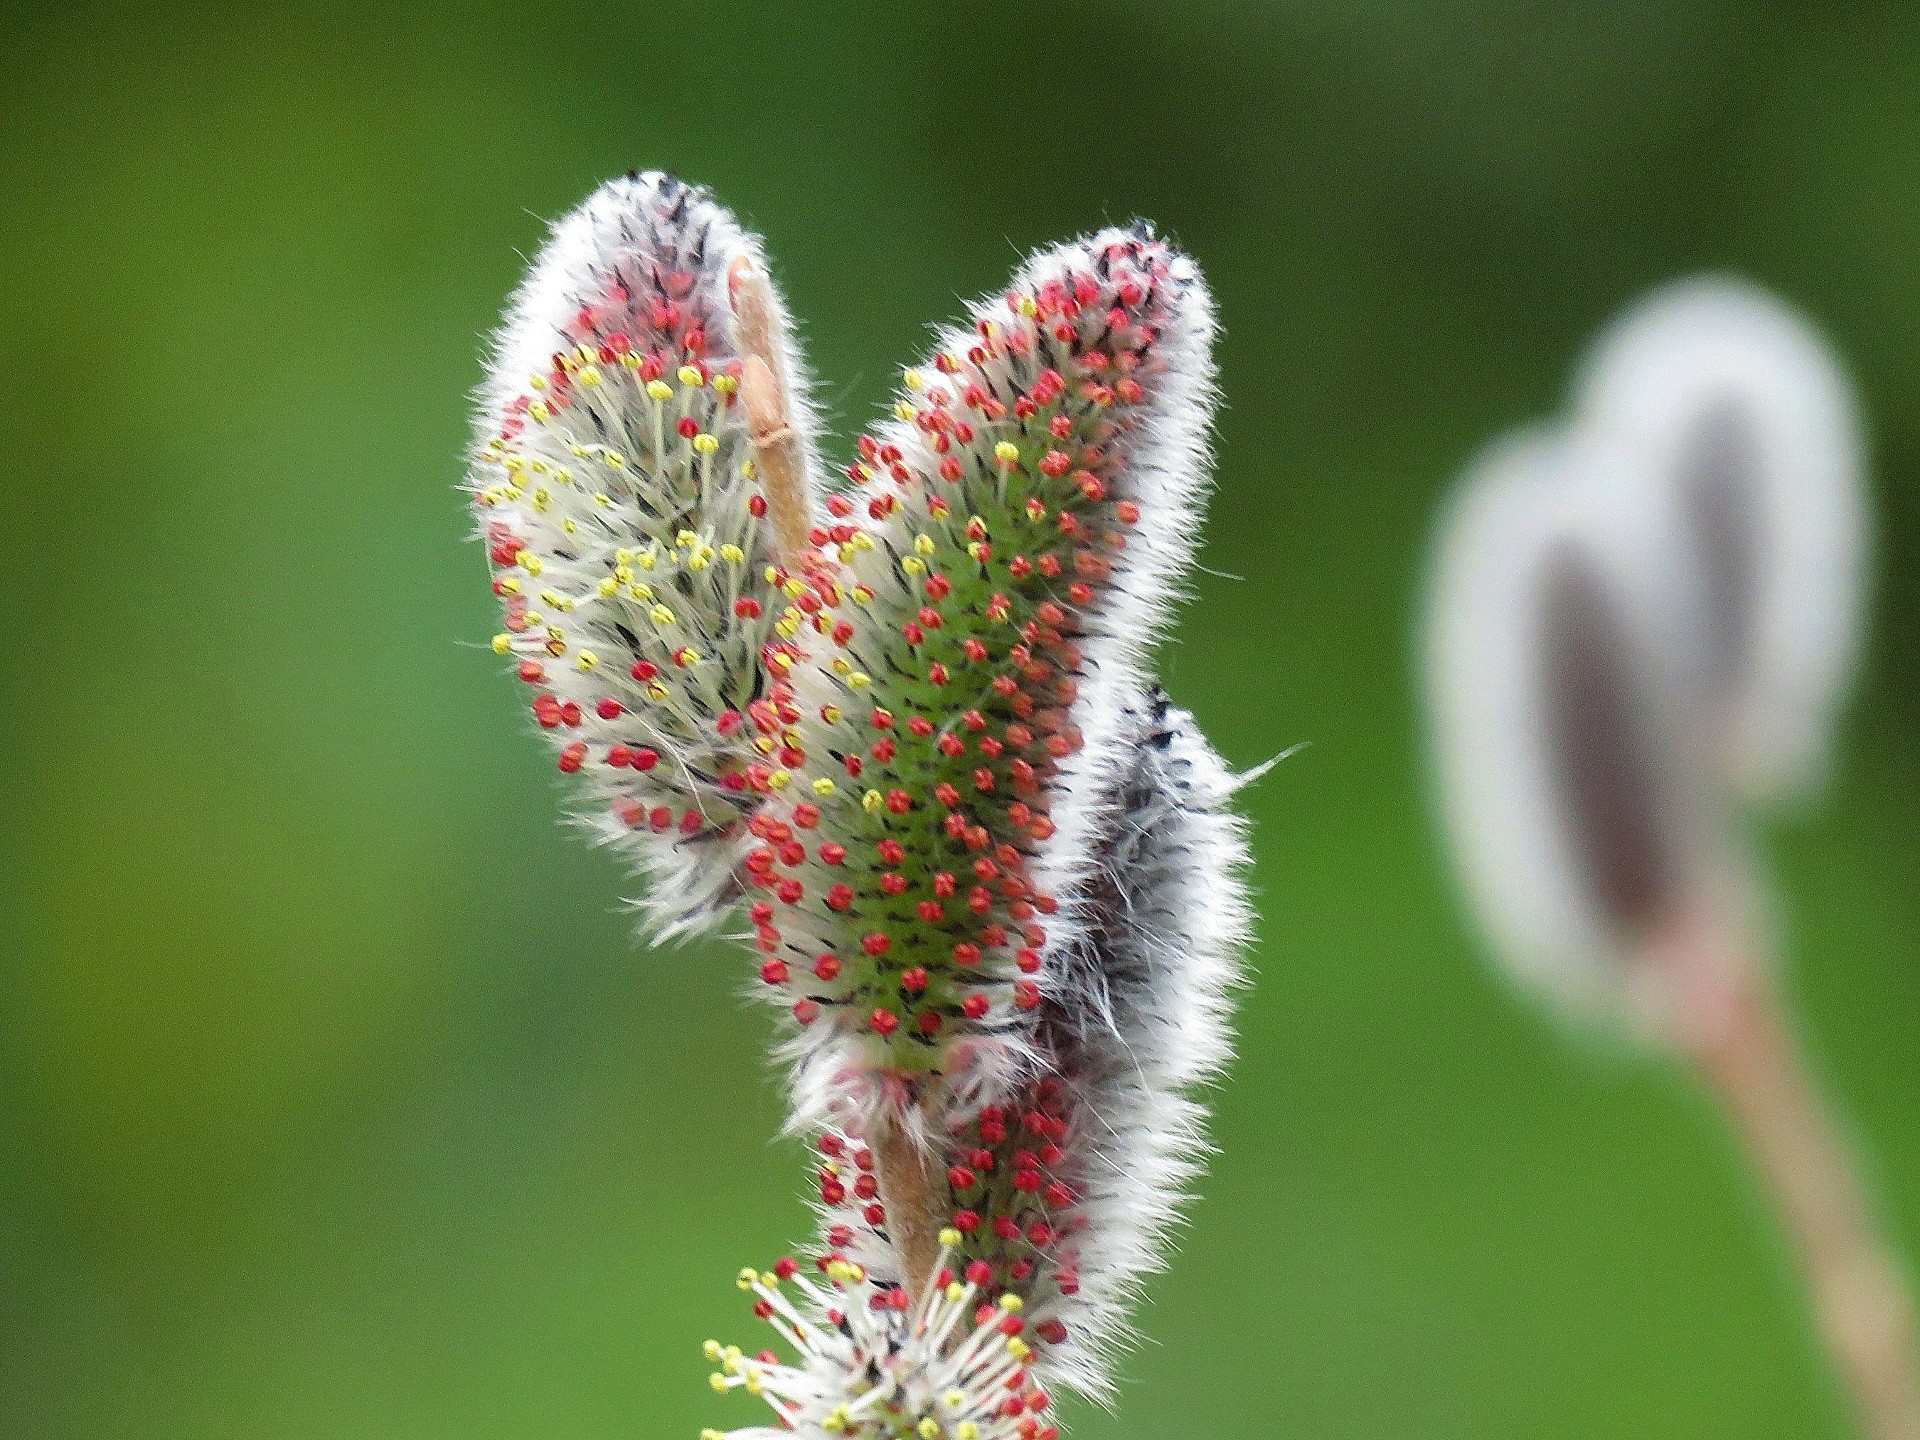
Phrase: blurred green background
(336, 1099)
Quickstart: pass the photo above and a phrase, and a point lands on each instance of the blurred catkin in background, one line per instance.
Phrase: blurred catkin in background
(334, 1098)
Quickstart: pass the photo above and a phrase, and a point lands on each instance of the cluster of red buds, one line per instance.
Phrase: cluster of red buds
(902, 722)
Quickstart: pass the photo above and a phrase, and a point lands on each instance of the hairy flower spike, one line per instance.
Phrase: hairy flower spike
(1567, 754)
(615, 481)
(1748, 422)
(1061, 1194)
(1008, 549)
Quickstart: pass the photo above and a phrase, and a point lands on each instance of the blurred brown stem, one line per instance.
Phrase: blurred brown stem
(1735, 1031)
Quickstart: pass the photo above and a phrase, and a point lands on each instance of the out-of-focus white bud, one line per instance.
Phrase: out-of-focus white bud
(1749, 424)
(1564, 725)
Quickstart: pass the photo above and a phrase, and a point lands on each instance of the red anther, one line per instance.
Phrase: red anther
(571, 757)
(790, 892)
(806, 1012)
(1028, 961)
(966, 954)
(1056, 463)
(774, 972)
(975, 1006)
(833, 853)
(806, 815)
(938, 674)
(757, 506)
(747, 608)
(1026, 994)
(983, 779)
(761, 913)
(1052, 1331)
(930, 1022)
(913, 633)
(975, 650)
(866, 1187)
(570, 713)
(644, 758)
(979, 1272)
(952, 745)
(920, 727)
(884, 1022)
(899, 801)
(833, 1145)
(931, 911)
(619, 755)
(891, 851)
(610, 709)
(946, 794)
(854, 766)
(827, 967)
(914, 981)
(943, 884)
(894, 884)
(938, 587)
(1080, 592)
(840, 897)
(876, 944)
(1006, 1227)
(688, 428)
(644, 670)
(884, 749)
(961, 1178)
(532, 671)
(1058, 1196)
(786, 1268)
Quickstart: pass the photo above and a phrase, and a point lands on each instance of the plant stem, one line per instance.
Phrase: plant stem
(1738, 1037)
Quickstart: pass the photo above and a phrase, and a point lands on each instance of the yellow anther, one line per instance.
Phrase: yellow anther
(711, 1349)
(689, 375)
(502, 644)
(831, 714)
(794, 589)
(706, 444)
(657, 691)
(630, 360)
(542, 499)
(648, 560)
(686, 539)
(531, 562)
(587, 660)
(914, 565)
(923, 544)
(872, 801)
(929, 1429)
(725, 384)
(753, 1382)
(954, 1399)
(976, 548)
(966, 1430)
(1018, 1348)
(914, 379)
(824, 786)
(746, 1278)
(1012, 1304)
(661, 615)
(534, 617)
(859, 680)
(550, 597)
(615, 459)
(569, 526)
(640, 592)
(719, 1383)
(659, 390)
(538, 410)
(732, 554)
(608, 587)
(903, 410)
(1006, 452)
(949, 1238)
(748, 469)
(956, 1291)
(863, 594)
(1028, 307)
(590, 375)
(780, 779)
(602, 499)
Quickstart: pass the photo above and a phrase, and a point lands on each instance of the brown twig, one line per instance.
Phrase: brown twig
(1731, 1027)
(909, 1186)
